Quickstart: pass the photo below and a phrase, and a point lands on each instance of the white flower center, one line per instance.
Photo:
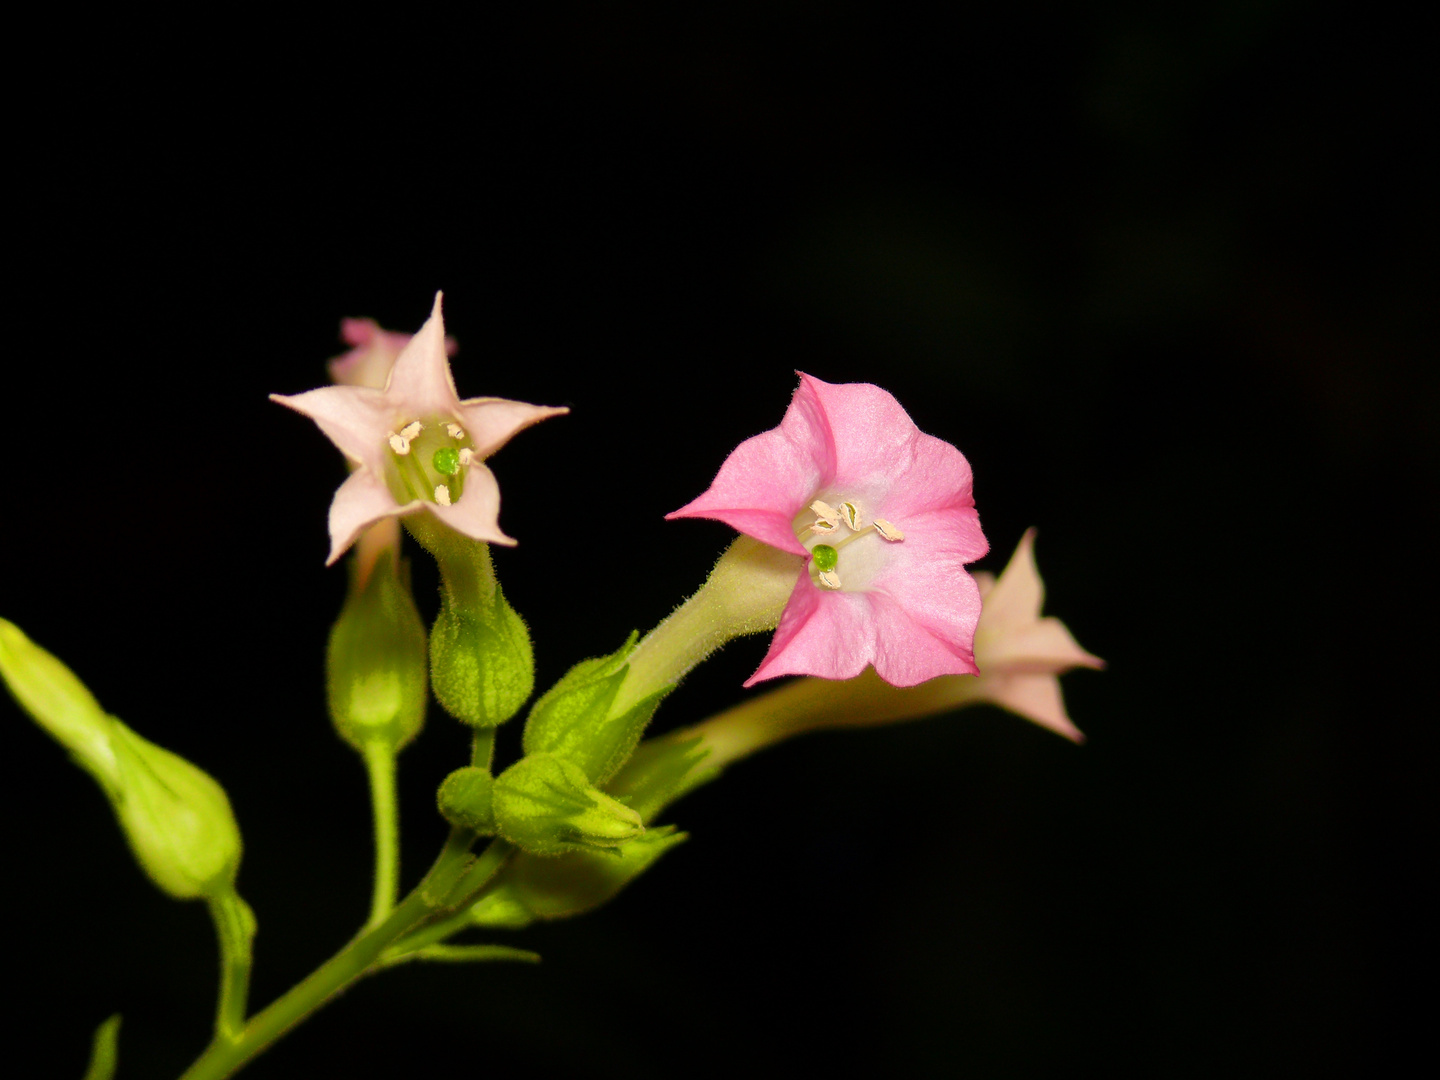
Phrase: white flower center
(826, 530)
(428, 460)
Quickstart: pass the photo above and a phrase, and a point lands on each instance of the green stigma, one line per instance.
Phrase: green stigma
(446, 461)
(825, 556)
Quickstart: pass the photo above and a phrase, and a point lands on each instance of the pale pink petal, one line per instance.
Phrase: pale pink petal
(925, 576)
(828, 634)
(771, 477)
(1035, 697)
(361, 501)
(354, 418)
(879, 448)
(1018, 594)
(477, 512)
(492, 422)
(421, 383)
(985, 580)
(1044, 646)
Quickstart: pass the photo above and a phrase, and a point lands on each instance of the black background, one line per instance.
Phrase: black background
(1165, 276)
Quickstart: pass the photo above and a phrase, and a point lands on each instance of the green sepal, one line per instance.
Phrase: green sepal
(557, 888)
(105, 1050)
(482, 667)
(175, 817)
(546, 805)
(660, 771)
(573, 719)
(469, 954)
(465, 799)
(375, 662)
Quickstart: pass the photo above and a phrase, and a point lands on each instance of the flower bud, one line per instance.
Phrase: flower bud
(466, 800)
(545, 805)
(375, 663)
(176, 819)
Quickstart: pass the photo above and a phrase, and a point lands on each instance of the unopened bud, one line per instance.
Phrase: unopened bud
(546, 805)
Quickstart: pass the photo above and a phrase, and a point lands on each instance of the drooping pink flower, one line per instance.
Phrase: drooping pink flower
(881, 519)
(417, 446)
(372, 354)
(1019, 652)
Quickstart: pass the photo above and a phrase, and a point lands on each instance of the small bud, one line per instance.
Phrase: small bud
(466, 800)
(375, 662)
(545, 805)
(175, 817)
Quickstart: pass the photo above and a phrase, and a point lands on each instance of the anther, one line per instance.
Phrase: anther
(442, 495)
(850, 514)
(466, 456)
(399, 443)
(410, 430)
(887, 530)
(455, 431)
(829, 579)
(823, 526)
(825, 512)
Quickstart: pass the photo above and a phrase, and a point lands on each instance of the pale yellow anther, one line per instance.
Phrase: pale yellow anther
(829, 579)
(823, 526)
(887, 530)
(851, 516)
(825, 512)
(399, 443)
(455, 431)
(466, 456)
(410, 430)
(442, 495)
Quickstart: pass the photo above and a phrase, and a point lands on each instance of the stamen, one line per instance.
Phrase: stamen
(821, 526)
(399, 443)
(446, 461)
(455, 431)
(442, 495)
(410, 430)
(466, 456)
(825, 512)
(888, 531)
(850, 514)
(829, 579)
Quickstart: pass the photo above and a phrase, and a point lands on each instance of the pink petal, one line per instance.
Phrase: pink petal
(1045, 646)
(477, 512)
(1018, 595)
(1035, 697)
(420, 383)
(354, 418)
(360, 501)
(879, 450)
(771, 477)
(492, 422)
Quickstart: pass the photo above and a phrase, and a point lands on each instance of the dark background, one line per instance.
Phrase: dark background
(1164, 275)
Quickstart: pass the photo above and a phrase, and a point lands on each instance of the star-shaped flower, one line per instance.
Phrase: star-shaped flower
(416, 445)
(882, 521)
(1020, 653)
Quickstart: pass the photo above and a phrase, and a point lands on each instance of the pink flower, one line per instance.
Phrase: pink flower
(1020, 653)
(881, 520)
(372, 354)
(416, 445)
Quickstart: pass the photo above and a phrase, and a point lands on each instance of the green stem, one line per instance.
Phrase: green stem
(235, 928)
(470, 888)
(380, 766)
(224, 1057)
(482, 749)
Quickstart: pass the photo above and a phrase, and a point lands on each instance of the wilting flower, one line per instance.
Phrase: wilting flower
(416, 445)
(372, 354)
(882, 521)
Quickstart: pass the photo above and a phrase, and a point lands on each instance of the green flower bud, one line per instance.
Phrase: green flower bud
(555, 888)
(545, 805)
(176, 819)
(577, 718)
(481, 665)
(375, 663)
(465, 799)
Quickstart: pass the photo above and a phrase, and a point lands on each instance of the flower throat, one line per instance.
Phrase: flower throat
(428, 461)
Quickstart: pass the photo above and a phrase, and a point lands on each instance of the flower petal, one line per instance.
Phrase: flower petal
(360, 501)
(420, 382)
(354, 418)
(1018, 595)
(1033, 696)
(492, 422)
(1045, 646)
(822, 634)
(477, 512)
(771, 477)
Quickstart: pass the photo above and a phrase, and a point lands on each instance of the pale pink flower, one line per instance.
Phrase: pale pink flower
(416, 446)
(372, 354)
(1019, 652)
(881, 519)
